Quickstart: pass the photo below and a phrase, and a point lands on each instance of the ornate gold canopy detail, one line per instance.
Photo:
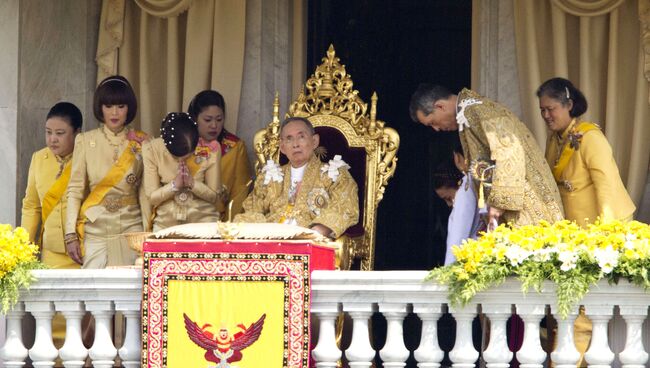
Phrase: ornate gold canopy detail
(329, 99)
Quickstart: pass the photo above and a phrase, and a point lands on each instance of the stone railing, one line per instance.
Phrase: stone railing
(618, 313)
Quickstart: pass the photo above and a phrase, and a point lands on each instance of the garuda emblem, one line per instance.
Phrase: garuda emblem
(224, 348)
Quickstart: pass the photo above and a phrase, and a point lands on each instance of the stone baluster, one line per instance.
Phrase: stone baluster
(14, 353)
(497, 354)
(394, 353)
(428, 354)
(565, 355)
(73, 352)
(43, 353)
(463, 355)
(103, 351)
(326, 353)
(531, 354)
(634, 354)
(360, 353)
(131, 349)
(599, 354)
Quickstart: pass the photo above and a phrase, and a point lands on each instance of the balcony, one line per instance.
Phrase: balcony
(618, 313)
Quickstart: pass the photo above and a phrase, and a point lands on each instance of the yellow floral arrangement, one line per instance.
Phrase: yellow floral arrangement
(18, 256)
(572, 257)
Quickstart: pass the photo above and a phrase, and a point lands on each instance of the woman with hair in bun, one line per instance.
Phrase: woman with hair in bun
(583, 165)
(104, 195)
(581, 158)
(44, 204)
(181, 180)
(208, 109)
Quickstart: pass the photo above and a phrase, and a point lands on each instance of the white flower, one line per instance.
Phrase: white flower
(568, 260)
(332, 167)
(629, 241)
(607, 258)
(516, 254)
(460, 116)
(544, 254)
(272, 171)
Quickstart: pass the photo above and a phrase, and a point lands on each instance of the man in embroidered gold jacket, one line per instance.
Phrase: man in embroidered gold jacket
(502, 154)
(304, 192)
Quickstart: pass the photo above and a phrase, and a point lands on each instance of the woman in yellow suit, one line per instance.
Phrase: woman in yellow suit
(581, 158)
(208, 109)
(181, 180)
(584, 168)
(105, 199)
(44, 205)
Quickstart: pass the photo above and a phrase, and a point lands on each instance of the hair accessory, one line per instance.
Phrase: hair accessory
(114, 80)
(567, 92)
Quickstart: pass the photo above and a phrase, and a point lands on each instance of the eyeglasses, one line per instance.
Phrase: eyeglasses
(291, 139)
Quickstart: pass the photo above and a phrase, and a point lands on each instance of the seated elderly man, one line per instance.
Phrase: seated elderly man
(305, 192)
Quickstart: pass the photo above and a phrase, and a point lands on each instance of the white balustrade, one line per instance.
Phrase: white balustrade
(358, 294)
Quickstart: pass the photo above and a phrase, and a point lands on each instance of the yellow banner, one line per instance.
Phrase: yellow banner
(201, 153)
(225, 315)
(114, 176)
(53, 196)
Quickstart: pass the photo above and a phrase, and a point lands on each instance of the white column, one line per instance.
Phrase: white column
(73, 352)
(131, 349)
(428, 354)
(599, 354)
(43, 353)
(326, 353)
(103, 351)
(360, 353)
(531, 354)
(394, 353)
(497, 354)
(565, 355)
(14, 353)
(463, 355)
(634, 354)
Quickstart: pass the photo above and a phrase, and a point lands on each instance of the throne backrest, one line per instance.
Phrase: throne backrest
(347, 128)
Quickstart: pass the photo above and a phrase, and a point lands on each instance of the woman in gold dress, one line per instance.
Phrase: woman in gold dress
(44, 204)
(105, 199)
(181, 180)
(583, 165)
(581, 158)
(208, 109)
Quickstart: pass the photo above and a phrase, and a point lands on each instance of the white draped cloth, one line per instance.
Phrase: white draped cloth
(463, 221)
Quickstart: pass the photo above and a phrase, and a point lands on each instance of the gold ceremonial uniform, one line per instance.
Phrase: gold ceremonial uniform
(235, 171)
(43, 171)
(95, 159)
(590, 184)
(176, 207)
(320, 199)
(522, 183)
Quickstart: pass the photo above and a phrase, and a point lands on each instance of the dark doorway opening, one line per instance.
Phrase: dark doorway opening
(390, 46)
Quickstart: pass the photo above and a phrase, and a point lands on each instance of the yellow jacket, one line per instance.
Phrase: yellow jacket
(235, 171)
(95, 154)
(160, 169)
(42, 174)
(590, 184)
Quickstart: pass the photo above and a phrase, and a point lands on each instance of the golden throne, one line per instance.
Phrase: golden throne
(346, 128)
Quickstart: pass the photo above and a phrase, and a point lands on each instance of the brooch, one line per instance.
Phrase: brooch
(199, 159)
(567, 185)
(317, 199)
(131, 179)
(182, 197)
